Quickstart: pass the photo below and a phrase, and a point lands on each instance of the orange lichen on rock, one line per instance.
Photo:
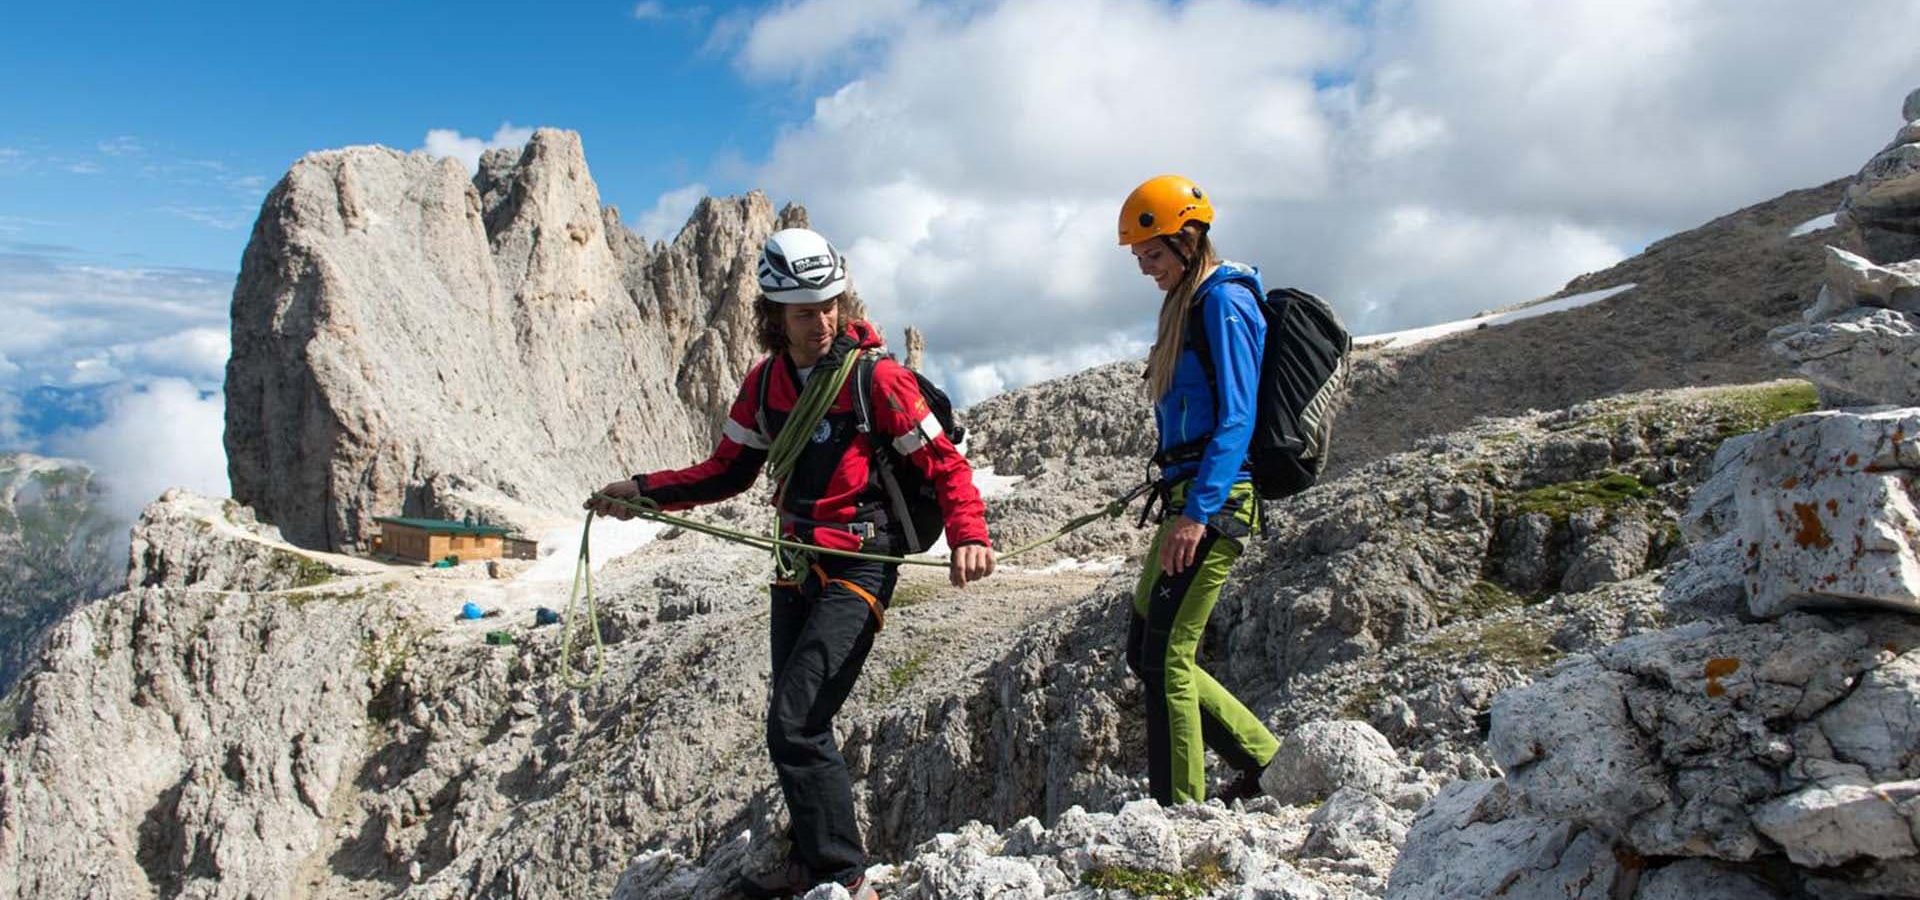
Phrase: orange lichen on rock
(1811, 532)
(1717, 668)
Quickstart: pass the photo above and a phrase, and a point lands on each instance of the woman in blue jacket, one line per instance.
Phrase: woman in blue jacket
(1203, 376)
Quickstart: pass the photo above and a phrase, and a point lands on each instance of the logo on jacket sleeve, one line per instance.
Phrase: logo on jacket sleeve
(822, 432)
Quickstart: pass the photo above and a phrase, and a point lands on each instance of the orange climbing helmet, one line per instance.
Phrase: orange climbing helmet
(1161, 206)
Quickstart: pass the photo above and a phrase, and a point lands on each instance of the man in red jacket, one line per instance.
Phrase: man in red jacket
(825, 618)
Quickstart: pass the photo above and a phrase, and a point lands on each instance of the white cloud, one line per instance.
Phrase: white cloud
(669, 213)
(1417, 164)
(657, 11)
(806, 37)
(74, 325)
(1639, 113)
(10, 432)
(166, 433)
(969, 384)
(450, 142)
(224, 218)
(15, 225)
(84, 167)
(123, 145)
(197, 354)
(251, 185)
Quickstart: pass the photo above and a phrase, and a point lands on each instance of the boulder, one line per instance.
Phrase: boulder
(1862, 357)
(1701, 879)
(1728, 740)
(1319, 758)
(1827, 512)
(1711, 510)
(1468, 844)
(1884, 199)
(1854, 280)
(1348, 818)
(1822, 826)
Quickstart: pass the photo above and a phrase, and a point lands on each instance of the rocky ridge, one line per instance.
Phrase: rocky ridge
(409, 340)
(1764, 750)
(1560, 613)
(1697, 314)
(395, 753)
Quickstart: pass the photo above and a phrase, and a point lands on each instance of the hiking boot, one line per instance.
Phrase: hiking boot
(789, 879)
(1246, 787)
(793, 880)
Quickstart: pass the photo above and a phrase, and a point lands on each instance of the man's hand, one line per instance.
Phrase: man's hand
(1176, 552)
(970, 562)
(624, 489)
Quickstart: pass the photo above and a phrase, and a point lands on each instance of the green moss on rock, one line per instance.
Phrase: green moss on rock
(1194, 882)
(1751, 408)
(906, 595)
(1514, 641)
(1562, 500)
(902, 675)
(302, 571)
(1480, 599)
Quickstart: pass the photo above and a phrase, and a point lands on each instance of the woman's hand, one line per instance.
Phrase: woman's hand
(624, 489)
(1176, 552)
(970, 562)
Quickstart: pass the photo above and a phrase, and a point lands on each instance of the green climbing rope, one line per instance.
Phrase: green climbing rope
(647, 509)
(814, 401)
(582, 571)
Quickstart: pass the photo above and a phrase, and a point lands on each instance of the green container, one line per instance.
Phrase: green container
(499, 638)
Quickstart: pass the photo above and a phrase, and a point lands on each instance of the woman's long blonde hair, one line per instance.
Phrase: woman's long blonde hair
(1196, 249)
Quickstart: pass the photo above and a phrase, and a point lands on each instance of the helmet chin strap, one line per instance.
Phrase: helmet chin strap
(1175, 247)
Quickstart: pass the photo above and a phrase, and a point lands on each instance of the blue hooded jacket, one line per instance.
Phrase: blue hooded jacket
(1220, 411)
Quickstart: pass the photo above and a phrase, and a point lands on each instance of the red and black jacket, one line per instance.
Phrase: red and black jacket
(835, 489)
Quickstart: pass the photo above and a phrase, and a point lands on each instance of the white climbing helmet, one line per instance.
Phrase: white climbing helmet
(798, 265)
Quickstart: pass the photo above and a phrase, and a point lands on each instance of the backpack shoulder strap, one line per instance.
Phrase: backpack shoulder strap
(882, 448)
(863, 391)
(1197, 339)
(760, 404)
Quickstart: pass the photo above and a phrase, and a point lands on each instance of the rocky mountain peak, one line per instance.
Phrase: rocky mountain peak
(409, 340)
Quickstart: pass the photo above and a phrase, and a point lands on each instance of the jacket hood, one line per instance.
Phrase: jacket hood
(856, 335)
(864, 335)
(1233, 271)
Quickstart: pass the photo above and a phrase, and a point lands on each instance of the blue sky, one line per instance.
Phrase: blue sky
(149, 133)
(1412, 160)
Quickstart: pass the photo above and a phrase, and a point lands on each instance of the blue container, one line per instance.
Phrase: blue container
(471, 611)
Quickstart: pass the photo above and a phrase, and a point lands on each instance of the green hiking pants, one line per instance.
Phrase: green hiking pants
(1187, 710)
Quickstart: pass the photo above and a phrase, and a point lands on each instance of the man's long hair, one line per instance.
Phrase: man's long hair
(770, 326)
(1193, 246)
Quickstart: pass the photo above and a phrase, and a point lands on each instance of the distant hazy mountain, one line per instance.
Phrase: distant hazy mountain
(57, 549)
